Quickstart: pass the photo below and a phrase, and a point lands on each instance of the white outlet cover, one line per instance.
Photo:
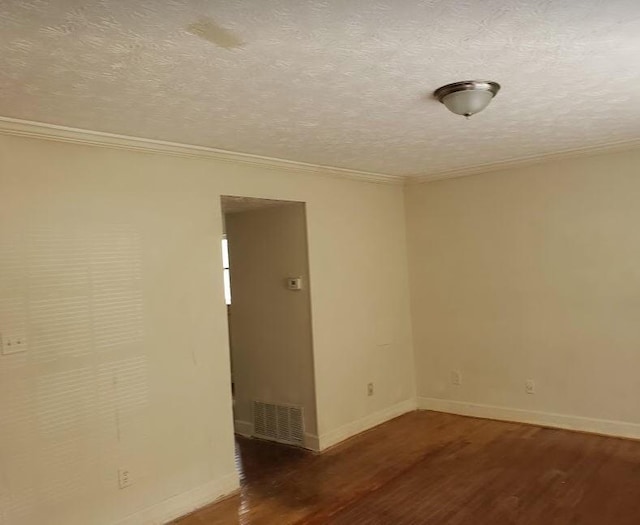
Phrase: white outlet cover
(530, 386)
(124, 478)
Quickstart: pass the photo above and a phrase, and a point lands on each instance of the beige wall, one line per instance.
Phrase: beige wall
(531, 273)
(110, 265)
(270, 325)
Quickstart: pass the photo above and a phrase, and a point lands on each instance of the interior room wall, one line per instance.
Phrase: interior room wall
(110, 268)
(530, 273)
(270, 325)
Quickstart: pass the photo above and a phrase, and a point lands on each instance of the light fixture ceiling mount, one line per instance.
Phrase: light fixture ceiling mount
(467, 97)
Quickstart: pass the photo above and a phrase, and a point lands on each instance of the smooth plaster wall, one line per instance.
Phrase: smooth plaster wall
(110, 266)
(531, 273)
(270, 325)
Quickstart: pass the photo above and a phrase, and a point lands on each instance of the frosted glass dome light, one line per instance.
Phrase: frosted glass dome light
(467, 97)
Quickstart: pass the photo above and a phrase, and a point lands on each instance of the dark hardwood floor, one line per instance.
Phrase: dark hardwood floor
(436, 469)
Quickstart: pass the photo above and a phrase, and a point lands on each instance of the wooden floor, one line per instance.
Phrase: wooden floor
(428, 468)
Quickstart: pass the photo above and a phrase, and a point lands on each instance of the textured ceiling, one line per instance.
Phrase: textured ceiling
(342, 83)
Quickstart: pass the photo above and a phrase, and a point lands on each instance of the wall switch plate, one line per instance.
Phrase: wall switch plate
(530, 386)
(124, 478)
(13, 344)
(294, 283)
(456, 378)
(370, 389)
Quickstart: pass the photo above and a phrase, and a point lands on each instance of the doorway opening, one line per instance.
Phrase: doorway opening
(266, 276)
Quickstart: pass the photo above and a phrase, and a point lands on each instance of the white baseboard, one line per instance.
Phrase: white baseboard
(184, 503)
(355, 427)
(244, 428)
(311, 442)
(545, 419)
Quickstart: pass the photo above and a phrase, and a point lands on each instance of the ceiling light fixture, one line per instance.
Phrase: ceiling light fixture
(467, 97)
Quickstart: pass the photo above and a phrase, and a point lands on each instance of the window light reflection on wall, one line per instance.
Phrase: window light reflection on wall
(225, 265)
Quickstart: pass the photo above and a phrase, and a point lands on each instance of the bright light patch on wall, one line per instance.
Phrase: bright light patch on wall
(75, 292)
(225, 265)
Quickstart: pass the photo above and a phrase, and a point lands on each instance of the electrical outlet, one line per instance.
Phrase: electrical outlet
(124, 478)
(456, 378)
(530, 386)
(14, 344)
(370, 389)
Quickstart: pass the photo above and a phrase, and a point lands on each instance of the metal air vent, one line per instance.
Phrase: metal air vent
(281, 423)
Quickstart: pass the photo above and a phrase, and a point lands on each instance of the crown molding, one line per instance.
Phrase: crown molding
(531, 160)
(44, 131)
(41, 130)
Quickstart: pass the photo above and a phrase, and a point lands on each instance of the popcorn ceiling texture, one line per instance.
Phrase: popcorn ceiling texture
(344, 84)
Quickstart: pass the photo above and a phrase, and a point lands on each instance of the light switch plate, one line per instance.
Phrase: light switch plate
(294, 283)
(13, 344)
